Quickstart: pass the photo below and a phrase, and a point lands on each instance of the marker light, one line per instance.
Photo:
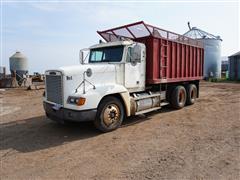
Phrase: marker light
(79, 101)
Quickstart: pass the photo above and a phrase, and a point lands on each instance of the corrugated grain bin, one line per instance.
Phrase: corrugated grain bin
(234, 66)
(170, 57)
(18, 64)
(212, 51)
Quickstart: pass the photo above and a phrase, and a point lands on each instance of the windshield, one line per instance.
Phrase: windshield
(106, 54)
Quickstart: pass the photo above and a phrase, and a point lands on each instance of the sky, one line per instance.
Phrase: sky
(51, 34)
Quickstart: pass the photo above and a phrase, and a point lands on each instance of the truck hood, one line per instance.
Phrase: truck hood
(102, 74)
(79, 69)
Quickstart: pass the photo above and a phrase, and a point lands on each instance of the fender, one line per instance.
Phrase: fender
(94, 96)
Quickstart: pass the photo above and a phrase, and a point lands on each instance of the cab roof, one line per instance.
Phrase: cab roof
(109, 44)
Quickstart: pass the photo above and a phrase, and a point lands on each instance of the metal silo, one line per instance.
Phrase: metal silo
(18, 64)
(212, 51)
(234, 66)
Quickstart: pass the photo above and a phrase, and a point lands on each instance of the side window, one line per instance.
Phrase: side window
(129, 54)
(96, 56)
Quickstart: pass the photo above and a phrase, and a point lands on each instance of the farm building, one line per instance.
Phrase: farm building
(234, 66)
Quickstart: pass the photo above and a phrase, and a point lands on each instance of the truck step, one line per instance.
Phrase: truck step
(164, 103)
(162, 95)
(147, 110)
(145, 97)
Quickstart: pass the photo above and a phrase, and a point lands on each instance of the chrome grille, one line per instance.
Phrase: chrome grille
(54, 90)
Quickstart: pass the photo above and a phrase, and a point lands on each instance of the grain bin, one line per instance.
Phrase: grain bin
(212, 51)
(2, 72)
(18, 64)
(234, 66)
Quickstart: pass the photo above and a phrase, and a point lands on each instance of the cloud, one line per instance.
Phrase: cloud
(29, 25)
(106, 15)
(48, 7)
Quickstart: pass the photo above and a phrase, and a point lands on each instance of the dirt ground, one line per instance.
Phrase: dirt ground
(201, 141)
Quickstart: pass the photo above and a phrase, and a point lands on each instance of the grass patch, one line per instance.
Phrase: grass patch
(225, 80)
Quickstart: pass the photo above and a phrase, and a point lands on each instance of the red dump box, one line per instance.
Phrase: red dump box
(170, 57)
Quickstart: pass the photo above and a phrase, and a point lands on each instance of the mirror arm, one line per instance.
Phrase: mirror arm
(86, 57)
(81, 55)
(129, 56)
(80, 51)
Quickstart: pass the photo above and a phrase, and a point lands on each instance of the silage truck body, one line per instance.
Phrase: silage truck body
(139, 69)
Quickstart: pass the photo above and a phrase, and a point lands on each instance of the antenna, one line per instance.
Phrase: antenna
(189, 26)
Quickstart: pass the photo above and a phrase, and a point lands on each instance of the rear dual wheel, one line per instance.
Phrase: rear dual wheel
(181, 96)
(191, 94)
(178, 98)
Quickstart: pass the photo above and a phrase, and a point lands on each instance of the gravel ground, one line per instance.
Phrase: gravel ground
(201, 141)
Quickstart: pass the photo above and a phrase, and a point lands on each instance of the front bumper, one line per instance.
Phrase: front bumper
(64, 114)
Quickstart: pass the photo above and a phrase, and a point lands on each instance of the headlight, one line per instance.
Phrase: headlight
(79, 101)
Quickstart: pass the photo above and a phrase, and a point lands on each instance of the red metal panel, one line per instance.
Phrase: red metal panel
(160, 51)
(152, 60)
(157, 81)
(156, 59)
(178, 61)
(187, 61)
(190, 61)
(169, 64)
(194, 61)
(197, 66)
(202, 60)
(149, 57)
(164, 55)
(183, 62)
(173, 59)
(167, 59)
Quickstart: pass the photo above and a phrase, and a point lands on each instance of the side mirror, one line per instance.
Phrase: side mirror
(136, 54)
(81, 58)
(83, 54)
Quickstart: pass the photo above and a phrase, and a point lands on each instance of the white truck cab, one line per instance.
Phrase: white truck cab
(99, 89)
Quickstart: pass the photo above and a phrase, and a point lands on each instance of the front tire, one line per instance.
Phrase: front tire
(110, 114)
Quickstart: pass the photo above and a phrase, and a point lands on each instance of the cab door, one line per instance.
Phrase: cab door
(135, 68)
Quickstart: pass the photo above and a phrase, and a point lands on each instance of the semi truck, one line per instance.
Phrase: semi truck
(138, 69)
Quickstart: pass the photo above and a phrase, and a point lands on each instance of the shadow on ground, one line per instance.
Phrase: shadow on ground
(40, 133)
(144, 117)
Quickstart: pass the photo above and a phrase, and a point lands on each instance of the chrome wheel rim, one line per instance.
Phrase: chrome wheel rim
(111, 114)
(181, 96)
(193, 94)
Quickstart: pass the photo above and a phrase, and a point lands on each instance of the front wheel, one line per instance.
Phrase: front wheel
(110, 114)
